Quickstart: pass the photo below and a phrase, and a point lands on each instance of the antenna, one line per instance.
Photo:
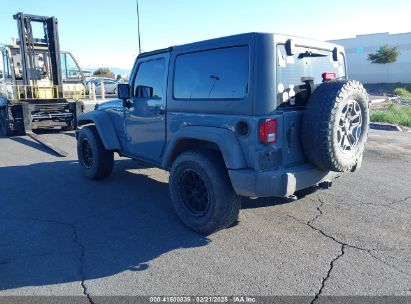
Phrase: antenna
(138, 29)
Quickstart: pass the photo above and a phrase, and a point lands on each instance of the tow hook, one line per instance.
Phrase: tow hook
(325, 185)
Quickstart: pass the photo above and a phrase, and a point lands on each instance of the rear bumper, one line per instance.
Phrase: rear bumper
(277, 183)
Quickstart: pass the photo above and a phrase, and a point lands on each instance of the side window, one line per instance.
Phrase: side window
(305, 64)
(149, 80)
(69, 69)
(212, 74)
(63, 66)
(6, 64)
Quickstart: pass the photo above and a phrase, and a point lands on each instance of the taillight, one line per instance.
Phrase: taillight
(268, 131)
(329, 76)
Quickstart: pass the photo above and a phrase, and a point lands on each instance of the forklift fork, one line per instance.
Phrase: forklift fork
(29, 132)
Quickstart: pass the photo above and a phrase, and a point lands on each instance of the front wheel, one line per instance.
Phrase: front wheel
(201, 192)
(95, 161)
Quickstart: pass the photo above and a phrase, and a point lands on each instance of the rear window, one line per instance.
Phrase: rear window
(212, 74)
(305, 64)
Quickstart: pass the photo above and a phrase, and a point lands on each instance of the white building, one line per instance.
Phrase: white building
(359, 68)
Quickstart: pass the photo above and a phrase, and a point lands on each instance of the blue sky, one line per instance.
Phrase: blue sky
(104, 33)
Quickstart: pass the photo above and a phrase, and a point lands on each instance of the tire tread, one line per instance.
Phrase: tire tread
(104, 159)
(319, 121)
(228, 203)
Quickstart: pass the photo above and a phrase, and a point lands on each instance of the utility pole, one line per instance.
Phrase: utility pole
(138, 29)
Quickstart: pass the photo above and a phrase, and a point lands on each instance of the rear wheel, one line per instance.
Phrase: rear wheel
(201, 192)
(95, 161)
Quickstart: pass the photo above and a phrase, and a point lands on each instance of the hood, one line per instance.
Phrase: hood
(111, 104)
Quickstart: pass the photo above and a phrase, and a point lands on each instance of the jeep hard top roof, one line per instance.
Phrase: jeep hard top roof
(277, 38)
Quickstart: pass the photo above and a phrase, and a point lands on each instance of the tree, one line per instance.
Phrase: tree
(103, 71)
(385, 54)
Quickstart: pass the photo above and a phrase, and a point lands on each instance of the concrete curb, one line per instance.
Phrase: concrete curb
(377, 101)
(385, 127)
(384, 98)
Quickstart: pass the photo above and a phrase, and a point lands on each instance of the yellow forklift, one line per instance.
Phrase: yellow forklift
(40, 87)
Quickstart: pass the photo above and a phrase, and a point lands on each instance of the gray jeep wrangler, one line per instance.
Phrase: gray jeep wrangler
(255, 115)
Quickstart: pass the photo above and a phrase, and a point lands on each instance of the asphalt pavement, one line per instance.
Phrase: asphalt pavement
(61, 234)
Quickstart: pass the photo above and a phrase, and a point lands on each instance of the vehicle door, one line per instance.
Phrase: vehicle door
(109, 86)
(113, 87)
(145, 117)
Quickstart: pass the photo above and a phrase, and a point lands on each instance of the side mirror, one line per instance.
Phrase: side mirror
(123, 91)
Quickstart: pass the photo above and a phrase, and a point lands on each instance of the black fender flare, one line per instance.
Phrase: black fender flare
(225, 139)
(104, 126)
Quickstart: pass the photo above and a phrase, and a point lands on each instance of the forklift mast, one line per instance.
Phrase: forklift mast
(35, 94)
(28, 44)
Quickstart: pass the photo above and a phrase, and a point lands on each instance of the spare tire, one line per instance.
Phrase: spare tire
(335, 125)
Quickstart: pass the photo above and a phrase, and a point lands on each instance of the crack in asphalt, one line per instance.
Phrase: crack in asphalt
(320, 212)
(388, 264)
(319, 292)
(81, 263)
(372, 204)
(79, 245)
(85, 292)
(389, 205)
(403, 200)
(308, 223)
(342, 244)
(80, 259)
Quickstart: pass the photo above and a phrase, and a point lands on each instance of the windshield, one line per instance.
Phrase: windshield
(307, 64)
